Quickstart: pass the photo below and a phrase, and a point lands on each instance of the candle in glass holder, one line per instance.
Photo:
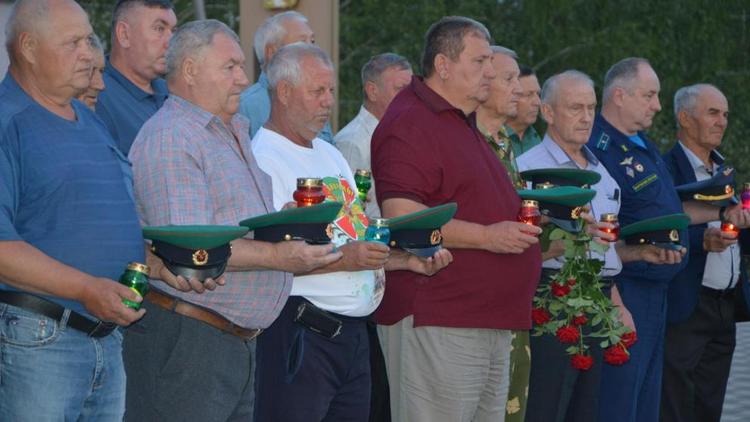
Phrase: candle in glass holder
(728, 227)
(309, 191)
(529, 213)
(745, 196)
(611, 218)
(378, 231)
(364, 183)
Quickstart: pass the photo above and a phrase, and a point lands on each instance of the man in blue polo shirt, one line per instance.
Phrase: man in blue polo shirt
(68, 227)
(141, 30)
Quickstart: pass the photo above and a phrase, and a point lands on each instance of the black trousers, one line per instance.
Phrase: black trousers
(697, 358)
(303, 376)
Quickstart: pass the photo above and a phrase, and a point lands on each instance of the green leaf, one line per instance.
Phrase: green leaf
(604, 344)
(556, 233)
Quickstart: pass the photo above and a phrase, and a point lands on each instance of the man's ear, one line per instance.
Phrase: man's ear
(27, 47)
(122, 34)
(372, 91)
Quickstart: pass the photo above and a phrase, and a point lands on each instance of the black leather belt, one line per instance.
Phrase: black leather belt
(54, 311)
(716, 293)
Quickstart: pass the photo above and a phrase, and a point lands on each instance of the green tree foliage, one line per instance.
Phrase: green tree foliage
(687, 41)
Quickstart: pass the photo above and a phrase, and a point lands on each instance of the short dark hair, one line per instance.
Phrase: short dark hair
(123, 6)
(525, 71)
(446, 36)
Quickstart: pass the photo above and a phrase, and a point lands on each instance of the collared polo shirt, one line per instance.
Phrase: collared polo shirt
(124, 107)
(520, 145)
(428, 151)
(191, 168)
(548, 154)
(64, 189)
(255, 104)
(722, 269)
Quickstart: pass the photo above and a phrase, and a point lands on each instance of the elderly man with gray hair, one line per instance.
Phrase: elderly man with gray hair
(383, 76)
(316, 355)
(192, 358)
(274, 33)
(705, 298)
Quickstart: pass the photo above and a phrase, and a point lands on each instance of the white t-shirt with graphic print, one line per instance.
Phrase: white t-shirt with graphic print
(351, 293)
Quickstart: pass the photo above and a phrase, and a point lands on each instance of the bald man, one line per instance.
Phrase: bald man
(68, 227)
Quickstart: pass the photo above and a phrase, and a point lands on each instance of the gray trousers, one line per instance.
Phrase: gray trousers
(441, 374)
(181, 369)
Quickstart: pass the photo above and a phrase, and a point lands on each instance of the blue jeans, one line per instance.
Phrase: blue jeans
(49, 372)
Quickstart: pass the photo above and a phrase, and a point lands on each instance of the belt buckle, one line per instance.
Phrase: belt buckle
(102, 329)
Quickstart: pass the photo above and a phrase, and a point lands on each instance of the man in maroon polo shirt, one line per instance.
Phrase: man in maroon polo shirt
(447, 339)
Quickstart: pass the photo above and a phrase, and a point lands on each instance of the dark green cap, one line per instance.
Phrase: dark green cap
(563, 204)
(310, 224)
(551, 177)
(661, 231)
(419, 232)
(194, 251)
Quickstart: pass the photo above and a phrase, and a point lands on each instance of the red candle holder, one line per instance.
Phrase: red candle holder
(529, 213)
(611, 218)
(309, 192)
(728, 227)
(745, 196)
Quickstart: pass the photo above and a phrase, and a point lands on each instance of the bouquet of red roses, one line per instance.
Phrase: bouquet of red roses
(573, 307)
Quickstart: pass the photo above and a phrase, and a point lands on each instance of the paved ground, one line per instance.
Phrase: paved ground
(737, 401)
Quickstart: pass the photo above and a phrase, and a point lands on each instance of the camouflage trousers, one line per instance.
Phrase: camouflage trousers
(520, 366)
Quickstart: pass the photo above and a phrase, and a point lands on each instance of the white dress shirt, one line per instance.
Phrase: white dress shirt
(354, 143)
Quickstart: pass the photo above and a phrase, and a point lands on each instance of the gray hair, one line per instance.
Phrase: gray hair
(498, 49)
(285, 64)
(96, 44)
(25, 16)
(622, 75)
(191, 39)
(272, 32)
(686, 97)
(552, 85)
(374, 68)
(446, 36)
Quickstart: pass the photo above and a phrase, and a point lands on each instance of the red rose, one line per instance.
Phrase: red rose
(560, 290)
(571, 281)
(581, 362)
(540, 316)
(616, 355)
(580, 319)
(628, 339)
(567, 334)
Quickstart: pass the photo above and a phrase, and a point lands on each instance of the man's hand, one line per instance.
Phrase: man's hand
(660, 256)
(158, 271)
(715, 240)
(431, 265)
(511, 237)
(359, 256)
(298, 257)
(556, 249)
(737, 216)
(625, 316)
(103, 299)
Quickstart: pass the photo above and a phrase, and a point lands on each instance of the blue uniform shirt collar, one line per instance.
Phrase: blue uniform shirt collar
(619, 138)
(159, 86)
(263, 80)
(561, 157)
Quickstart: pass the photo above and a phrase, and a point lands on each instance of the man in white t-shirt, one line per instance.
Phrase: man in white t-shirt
(316, 354)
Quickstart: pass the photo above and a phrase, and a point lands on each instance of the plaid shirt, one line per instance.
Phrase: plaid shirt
(190, 169)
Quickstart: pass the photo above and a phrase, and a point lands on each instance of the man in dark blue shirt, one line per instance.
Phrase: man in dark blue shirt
(141, 30)
(630, 100)
(68, 227)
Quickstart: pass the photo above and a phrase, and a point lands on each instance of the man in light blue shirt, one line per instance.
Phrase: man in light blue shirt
(135, 91)
(276, 32)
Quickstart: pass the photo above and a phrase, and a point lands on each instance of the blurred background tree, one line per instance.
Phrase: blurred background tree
(687, 41)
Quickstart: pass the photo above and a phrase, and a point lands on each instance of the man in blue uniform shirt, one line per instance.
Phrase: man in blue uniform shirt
(705, 297)
(141, 30)
(630, 100)
(68, 227)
